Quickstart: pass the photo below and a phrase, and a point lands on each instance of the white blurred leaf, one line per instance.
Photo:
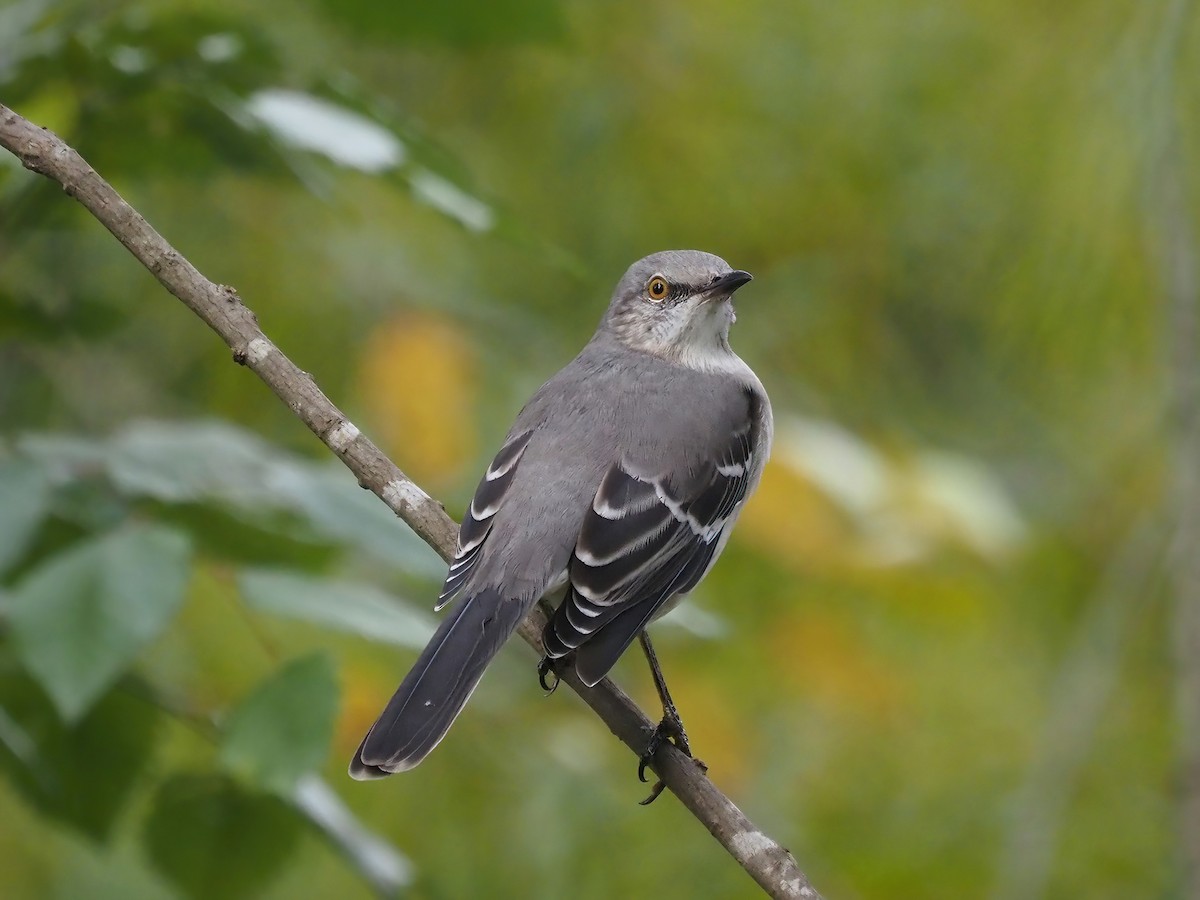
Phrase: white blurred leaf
(903, 505)
(354, 608)
(447, 197)
(379, 862)
(311, 123)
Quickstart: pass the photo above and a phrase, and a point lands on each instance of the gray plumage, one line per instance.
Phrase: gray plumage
(617, 487)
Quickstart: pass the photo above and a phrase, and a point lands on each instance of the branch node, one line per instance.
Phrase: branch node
(402, 495)
(341, 436)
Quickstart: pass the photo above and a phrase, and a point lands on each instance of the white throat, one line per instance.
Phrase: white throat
(716, 357)
(700, 341)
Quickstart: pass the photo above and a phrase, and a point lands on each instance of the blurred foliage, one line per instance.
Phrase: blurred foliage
(934, 660)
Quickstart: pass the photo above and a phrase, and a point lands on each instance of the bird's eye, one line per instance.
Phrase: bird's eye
(657, 288)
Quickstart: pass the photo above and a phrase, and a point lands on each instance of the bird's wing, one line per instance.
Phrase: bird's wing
(477, 523)
(645, 539)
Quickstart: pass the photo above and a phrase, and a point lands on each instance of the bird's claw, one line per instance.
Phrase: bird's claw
(647, 757)
(544, 669)
(669, 730)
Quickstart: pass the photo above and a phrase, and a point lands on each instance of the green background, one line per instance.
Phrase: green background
(936, 659)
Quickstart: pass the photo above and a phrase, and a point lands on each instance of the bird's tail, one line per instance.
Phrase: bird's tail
(438, 686)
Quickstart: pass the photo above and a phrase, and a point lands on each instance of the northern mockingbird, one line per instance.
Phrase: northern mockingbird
(616, 490)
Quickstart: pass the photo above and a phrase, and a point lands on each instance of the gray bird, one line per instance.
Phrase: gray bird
(616, 489)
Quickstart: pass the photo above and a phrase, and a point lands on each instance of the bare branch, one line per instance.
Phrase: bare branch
(41, 151)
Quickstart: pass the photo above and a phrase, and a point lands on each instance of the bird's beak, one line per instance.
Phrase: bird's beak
(727, 284)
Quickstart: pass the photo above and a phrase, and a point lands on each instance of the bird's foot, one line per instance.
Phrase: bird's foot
(546, 669)
(669, 730)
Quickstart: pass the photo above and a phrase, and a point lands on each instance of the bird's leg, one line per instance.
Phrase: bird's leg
(671, 725)
(669, 729)
(546, 665)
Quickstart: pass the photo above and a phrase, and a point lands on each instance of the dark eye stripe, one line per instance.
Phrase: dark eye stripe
(676, 290)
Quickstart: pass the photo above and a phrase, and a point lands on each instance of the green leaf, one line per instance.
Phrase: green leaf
(337, 508)
(80, 618)
(283, 729)
(225, 534)
(81, 774)
(65, 456)
(24, 502)
(186, 462)
(211, 837)
(216, 463)
(359, 609)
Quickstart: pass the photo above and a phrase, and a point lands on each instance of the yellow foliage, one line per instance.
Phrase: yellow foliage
(416, 380)
(719, 733)
(828, 662)
(362, 700)
(795, 522)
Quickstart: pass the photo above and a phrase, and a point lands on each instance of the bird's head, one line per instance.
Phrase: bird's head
(676, 304)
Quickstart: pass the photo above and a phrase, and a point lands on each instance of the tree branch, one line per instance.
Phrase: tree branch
(41, 151)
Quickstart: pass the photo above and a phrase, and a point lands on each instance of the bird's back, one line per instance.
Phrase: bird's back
(607, 398)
